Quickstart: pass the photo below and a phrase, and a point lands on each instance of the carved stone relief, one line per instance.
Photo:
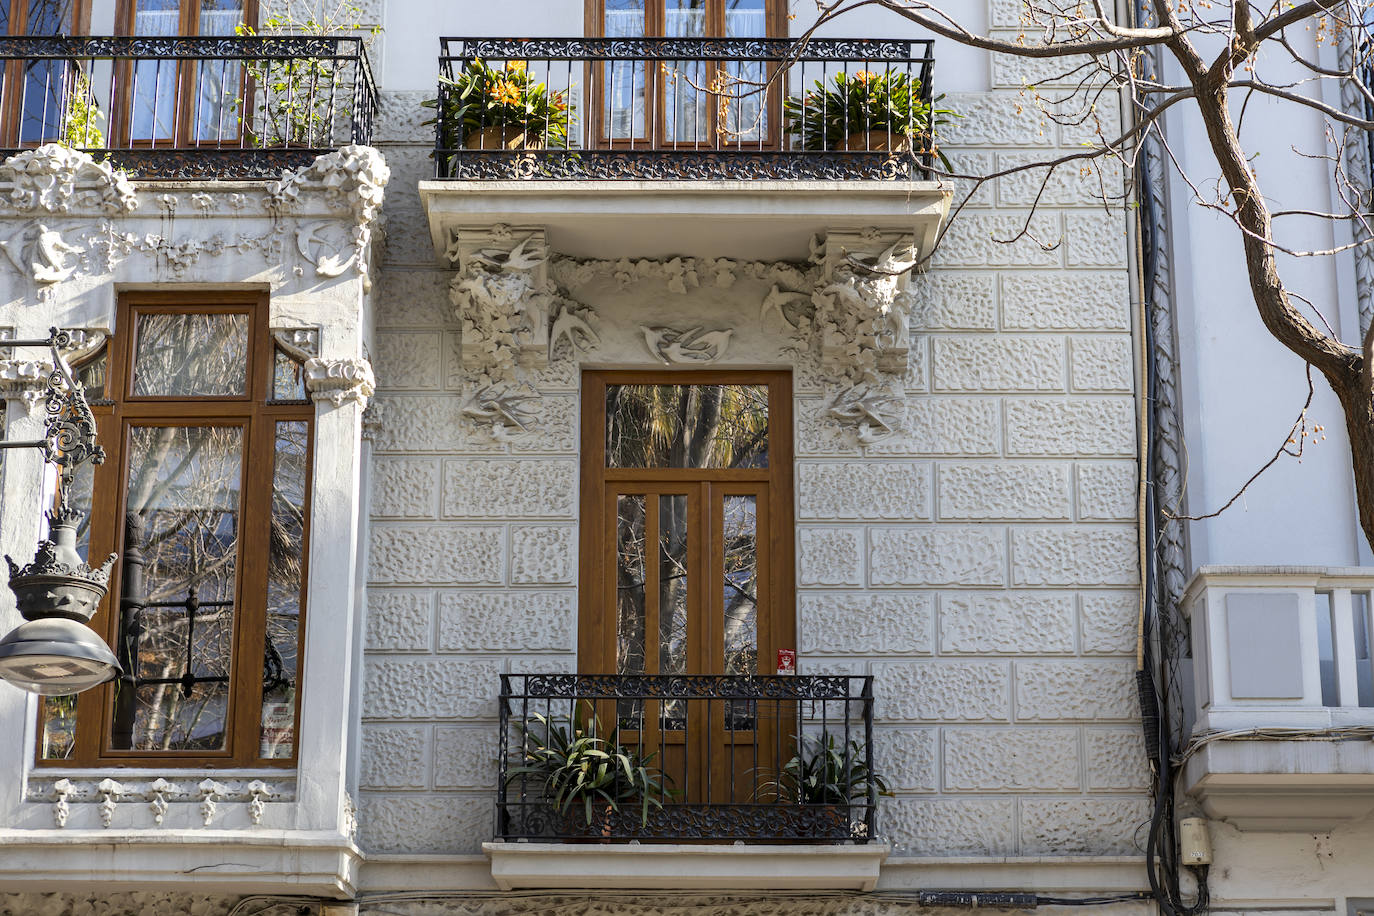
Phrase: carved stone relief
(690, 347)
(55, 179)
(339, 380)
(158, 795)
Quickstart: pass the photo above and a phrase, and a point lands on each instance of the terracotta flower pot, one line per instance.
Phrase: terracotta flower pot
(512, 138)
(876, 141)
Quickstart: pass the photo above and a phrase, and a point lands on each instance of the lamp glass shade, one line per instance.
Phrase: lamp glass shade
(55, 657)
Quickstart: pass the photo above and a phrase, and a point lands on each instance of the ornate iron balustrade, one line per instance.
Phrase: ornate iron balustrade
(188, 108)
(733, 756)
(687, 109)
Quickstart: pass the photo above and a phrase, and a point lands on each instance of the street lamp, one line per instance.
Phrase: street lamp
(53, 652)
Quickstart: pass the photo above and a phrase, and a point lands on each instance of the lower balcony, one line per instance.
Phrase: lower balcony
(187, 108)
(687, 781)
(1285, 696)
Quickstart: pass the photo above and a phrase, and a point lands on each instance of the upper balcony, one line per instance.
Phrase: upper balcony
(1285, 695)
(657, 147)
(187, 108)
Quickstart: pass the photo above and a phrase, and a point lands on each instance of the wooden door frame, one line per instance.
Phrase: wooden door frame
(594, 614)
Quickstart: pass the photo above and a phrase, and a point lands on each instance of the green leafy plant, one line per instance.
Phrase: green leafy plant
(579, 769)
(860, 103)
(509, 99)
(299, 99)
(81, 128)
(823, 772)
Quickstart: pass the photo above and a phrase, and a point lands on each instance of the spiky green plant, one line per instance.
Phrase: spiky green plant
(825, 773)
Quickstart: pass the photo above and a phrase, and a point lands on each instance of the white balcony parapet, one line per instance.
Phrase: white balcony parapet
(1284, 685)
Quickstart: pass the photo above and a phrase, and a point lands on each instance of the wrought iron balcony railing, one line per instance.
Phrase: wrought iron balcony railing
(682, 108)
(707, 758)
(208, 107)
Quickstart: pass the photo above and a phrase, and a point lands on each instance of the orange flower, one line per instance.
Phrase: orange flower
(505, 92)
(515, 65)
(864, 76)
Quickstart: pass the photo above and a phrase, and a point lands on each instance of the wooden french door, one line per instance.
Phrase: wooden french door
(687, 562)
(691, 104)
(166, 102)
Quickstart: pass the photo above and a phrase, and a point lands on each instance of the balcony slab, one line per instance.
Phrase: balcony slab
(744, 220)
(686, 866)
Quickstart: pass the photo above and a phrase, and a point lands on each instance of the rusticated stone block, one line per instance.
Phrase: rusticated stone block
(465, 757)
(954, 301)
(1102, 363)
(941, 691)
(1060, 301)
(413, 298)
(980, 239)
(524, 488)
(1002, 489)
(938, 555)
(830, 556)
(1012, 760)
(1107, 490)
(1076, 184)
(513, 621)
(1109, 623)
(971, 363)
(404, 487)
(1099, 125)
(870, 623)
(996, 119)
(453, 823)
(543, 554)
(1076, 690)
(952, 426)
(430, 688)
(400, 117)
(1082, 826)
(950, 827)
(439, 554)
(399, 620)
(1087, 426)
(906, 758)
(1006, 623)
(395, 757)
(407, 360)
(1116, 760)
(863, 490)
(1078, 555)
(1009, 14)
(428, 423)
(1096, 239)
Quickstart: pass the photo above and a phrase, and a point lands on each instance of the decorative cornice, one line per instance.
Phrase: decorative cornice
(55, 179)
(339, 380)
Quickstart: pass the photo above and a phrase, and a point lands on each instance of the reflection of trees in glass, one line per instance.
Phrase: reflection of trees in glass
(285, 579)
(190, 355)
(687, 426)
(741, 585)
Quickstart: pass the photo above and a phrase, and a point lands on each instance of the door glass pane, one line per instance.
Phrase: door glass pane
(183, 511)
(45, 81)
(154, 80)
(672, 598)
(285, 583)
(740, 539)
(687, 426)
(288, 378)
(687, 85)
(1326, 656)
(745, 113)
(631, 610)
(218, 82)
(624, 80)
(1364, 666)
(189, 355)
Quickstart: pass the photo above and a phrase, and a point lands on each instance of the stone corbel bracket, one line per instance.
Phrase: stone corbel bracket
(340, 380)
(55, 179)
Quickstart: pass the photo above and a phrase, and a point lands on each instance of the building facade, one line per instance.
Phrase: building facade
(452, 424)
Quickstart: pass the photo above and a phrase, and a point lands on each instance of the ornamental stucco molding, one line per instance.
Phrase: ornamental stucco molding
(159, 795)
(27, 379)
(55, 179)
(340, 380)
(354, 178)
(686, 347)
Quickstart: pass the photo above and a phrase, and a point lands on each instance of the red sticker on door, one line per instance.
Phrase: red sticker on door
(787, 661)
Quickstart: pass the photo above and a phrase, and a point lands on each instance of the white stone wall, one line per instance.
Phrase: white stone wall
(980, 562)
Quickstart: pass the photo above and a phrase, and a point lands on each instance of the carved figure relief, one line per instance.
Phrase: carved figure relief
(690, 347)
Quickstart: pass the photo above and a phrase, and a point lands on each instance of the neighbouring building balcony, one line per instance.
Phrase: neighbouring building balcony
(659, 147)
(643, 773)
(187, 108)
(1284, 682)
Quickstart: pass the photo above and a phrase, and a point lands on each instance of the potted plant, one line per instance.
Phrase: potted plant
(865, 110)
(487, 108)
(587, 778)
(829, 776)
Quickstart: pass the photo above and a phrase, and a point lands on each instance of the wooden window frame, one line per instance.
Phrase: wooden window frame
(258, 413)
(775, 15)
(11, 98)
(596, 618)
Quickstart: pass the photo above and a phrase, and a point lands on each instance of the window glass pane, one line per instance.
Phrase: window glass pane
(217, 83)
(1364, 666)
(183, 511)
(746, 117)
(91, 374)
(49, 17)
(288, 378)
(629, 599)
(181, 355)
(153, 81)
(1326, 656)
(624, 80)
(740, 539)
(672, 599)
(285, 583)
(687, 426)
